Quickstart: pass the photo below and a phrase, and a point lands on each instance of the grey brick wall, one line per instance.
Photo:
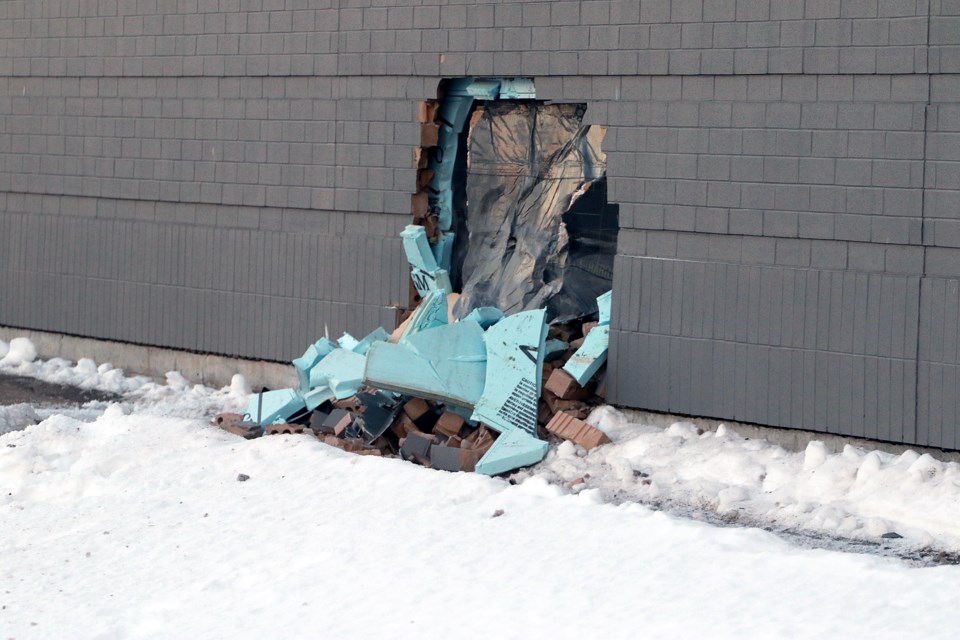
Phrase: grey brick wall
(230, 176)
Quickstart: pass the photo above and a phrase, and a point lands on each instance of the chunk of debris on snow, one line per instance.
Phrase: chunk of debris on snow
(341, 371)
(377, 412)
(593, 353)
(347, 341)
(273, 406)
(588, 358)
(402, 327)
(450, 424)
(431, 313)
(604, 304)
(282, 428)
(317, 418)
(446, 363)
(480, 440)
(402, 426)
(425, 272)
(447, 458)
(416, 447)
(577, 408)
(338, 422)
(317, 396)
(554, 348)
(314, 354)
(377, 335)
(512, 450)
(486, 317)
(421, 413)
(570, 428)
(236, 424)
(562, 385)
(515, 348)
(350, 445)
(227, 418)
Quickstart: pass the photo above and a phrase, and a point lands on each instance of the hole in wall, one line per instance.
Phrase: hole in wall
(513, 194)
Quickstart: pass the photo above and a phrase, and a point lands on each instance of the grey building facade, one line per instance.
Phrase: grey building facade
(230, 176)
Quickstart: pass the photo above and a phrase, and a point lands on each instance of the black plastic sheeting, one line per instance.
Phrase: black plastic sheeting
(539, 230)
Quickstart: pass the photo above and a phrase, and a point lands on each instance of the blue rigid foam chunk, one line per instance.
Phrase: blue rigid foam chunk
(603, 306)
(554, 348)
(277, 406)
(517, 89)
(348, 342)
(341, 371)
(316, 397)
(427, 281)
(515, 348)
(377, 335)
(426, 274)
(446, 363)
(512, 450)
(486, 317)
(443, 250)
(314, 354)
(417, 247)
(591, 354)
(463, 412)
(431, 313)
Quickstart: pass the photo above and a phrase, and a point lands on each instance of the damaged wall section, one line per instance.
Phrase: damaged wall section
(535, 237)
(513, 197)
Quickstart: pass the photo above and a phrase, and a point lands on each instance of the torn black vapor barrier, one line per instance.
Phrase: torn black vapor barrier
(540, 230)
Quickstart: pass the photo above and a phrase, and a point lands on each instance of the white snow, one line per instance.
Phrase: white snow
(135, 526)
(17, 416)
(856, 493)
(175, 397)
(19, 351)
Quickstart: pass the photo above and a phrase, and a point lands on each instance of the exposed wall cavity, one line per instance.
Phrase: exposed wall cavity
(514, 199)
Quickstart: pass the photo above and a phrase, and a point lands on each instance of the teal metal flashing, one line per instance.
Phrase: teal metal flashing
(452, 116)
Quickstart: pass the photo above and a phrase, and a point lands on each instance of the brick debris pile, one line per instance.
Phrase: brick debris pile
(423, 430)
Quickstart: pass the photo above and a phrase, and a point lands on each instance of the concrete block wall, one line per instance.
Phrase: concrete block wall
(230, 175)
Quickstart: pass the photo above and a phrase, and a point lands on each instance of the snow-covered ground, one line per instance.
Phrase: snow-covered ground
(137, 525)
(856, 494)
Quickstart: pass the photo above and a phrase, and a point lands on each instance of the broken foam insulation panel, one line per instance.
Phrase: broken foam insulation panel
(483, 393)
(540, 233)
(427, 432)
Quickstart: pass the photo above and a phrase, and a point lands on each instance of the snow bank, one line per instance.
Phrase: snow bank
(19, 351)
(137, 526)
(856, 493)
(175, 397)
(16, 417)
